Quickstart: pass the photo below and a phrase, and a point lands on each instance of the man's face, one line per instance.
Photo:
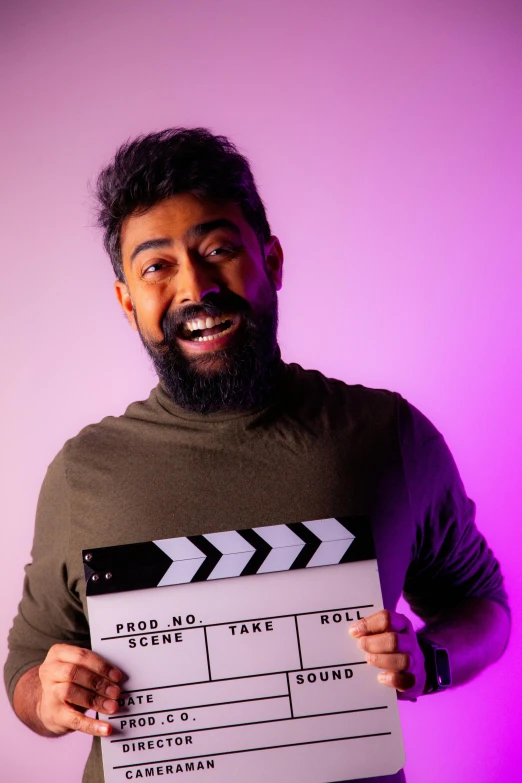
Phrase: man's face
(201, 292)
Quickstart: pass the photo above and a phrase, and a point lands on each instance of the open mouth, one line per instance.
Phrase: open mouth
(206, 329)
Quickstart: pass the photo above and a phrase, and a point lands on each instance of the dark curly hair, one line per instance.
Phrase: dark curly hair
(157, 166)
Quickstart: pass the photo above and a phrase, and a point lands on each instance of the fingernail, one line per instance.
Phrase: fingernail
(112, 691)
(103, 729)
(115, 675)
(355, 630)
(109, 705)
(383, 677)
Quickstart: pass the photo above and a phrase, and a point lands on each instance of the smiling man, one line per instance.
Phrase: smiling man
(232, 437)
(206, 307)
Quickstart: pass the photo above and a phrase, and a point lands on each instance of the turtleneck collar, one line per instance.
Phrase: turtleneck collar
(167, 403)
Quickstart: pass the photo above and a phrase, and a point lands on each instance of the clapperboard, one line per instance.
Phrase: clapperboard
(238, 662)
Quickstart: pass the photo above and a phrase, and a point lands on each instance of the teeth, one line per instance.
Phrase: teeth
(206, 338)
(206, 323)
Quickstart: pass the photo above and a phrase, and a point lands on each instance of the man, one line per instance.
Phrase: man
(232, 437)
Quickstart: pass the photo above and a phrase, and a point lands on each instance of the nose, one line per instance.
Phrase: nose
(194, 281)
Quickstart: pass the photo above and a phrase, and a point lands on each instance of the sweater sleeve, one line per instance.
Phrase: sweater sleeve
(452, 560)
(49, 611)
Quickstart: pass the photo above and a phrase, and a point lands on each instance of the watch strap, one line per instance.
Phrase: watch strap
(437, 665)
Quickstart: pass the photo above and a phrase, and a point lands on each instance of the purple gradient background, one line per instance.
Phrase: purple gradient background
(386, 140)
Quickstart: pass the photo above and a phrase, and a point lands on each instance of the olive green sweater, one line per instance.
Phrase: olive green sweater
(320, 449)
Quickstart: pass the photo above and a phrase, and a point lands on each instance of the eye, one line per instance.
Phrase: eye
(222, 252)
(155, 267)
(218, 251)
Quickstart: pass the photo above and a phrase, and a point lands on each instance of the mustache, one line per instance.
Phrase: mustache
(214, 305)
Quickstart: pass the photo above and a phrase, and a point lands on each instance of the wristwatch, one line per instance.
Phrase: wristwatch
(437, 664)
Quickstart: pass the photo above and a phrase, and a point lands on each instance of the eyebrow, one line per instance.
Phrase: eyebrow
(197, 231)
(150, 244)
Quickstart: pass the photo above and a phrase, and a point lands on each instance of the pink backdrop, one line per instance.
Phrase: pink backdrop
(386, 139)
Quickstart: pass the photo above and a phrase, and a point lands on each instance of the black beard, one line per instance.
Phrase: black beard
(248, 369)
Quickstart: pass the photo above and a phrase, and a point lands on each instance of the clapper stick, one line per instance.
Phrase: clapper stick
(227, 554)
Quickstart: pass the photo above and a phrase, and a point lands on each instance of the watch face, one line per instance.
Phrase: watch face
(442, 667)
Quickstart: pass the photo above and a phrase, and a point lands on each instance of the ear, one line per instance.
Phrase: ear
(124, 298)
(274, 261)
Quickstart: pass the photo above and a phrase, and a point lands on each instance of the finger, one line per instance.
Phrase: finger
(70, 693)
(401, 681)
(79, 656)
(71, 672)
(73, 720)
(382, 621)
(389, 642)
(397, 662)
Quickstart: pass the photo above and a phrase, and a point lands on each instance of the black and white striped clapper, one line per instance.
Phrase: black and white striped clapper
(231, 553)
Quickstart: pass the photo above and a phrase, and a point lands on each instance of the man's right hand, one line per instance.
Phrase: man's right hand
(74, 680)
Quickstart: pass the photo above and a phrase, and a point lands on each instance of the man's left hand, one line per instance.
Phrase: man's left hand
(391, 645)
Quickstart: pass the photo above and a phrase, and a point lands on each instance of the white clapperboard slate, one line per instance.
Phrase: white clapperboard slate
(239, 666)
